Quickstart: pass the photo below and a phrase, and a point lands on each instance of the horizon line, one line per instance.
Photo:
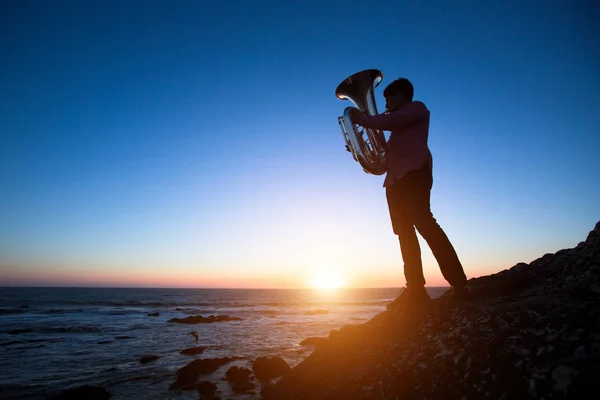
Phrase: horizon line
(203, 288)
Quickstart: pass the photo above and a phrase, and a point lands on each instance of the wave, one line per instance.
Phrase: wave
(187, 305)
(121, 312)
(5, 311)
(61, 310)
(69, 329)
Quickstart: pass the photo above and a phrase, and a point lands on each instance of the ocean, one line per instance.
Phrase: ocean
(56, 338)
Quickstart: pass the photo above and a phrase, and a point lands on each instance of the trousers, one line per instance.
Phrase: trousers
(409, 205)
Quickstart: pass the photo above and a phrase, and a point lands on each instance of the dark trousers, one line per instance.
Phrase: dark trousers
(409, 204)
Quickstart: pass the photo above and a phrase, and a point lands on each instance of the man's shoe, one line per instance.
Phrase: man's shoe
(411, 297)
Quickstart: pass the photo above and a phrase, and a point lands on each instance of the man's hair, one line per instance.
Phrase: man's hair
(400, 86)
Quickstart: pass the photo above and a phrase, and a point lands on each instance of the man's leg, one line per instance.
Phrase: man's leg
(430, 230)
(403, 227)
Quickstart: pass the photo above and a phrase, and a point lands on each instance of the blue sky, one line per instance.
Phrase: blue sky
(196, 143)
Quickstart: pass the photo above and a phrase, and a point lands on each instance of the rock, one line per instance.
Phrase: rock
(199, 319)
(192, 350)
(269, 368)
(86, 392)
(314, 341)
(236, 374)
(531, 331)
(148, 358)
(240, 378)
(205, 388)
(243, 386)
(187, 375)
(153, 314)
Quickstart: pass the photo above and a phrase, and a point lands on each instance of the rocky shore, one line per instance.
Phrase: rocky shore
(529, 332)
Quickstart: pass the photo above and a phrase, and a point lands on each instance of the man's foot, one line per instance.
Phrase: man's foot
(411, 297)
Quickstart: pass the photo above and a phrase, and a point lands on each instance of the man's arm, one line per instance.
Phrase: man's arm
(395, 120)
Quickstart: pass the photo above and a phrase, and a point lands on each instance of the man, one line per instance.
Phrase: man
(408, 183)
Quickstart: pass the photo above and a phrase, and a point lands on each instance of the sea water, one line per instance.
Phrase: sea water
(56, 338)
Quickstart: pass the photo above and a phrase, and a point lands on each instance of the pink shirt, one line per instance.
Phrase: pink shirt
(407, 147)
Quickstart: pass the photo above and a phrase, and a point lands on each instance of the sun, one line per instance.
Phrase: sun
(326, 279)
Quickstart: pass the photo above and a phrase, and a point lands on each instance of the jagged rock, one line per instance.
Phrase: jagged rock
(236, 374)
(532, 331)
(187, 375)
(204, 388)
(191, 351)
(268, 368)
(83, 392)
(243, 386)
(240, 378)
(314, 341)
(148, 358)
(199, 319)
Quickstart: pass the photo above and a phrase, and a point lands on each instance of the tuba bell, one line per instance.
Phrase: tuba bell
(366, 145)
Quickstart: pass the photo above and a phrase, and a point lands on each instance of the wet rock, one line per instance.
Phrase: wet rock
(187, 375)
(268, 368)
(149, 358)
(190, 351)
(199, 319)
(240, 378)
(314, 341)
(86, 392)
(243, 386)
(205, 389)
(153, 314)
(236, 374)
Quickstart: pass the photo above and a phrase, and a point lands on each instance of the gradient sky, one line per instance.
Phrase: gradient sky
(193, 143)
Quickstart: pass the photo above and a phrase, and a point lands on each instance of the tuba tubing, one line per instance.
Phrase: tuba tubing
(367, 146)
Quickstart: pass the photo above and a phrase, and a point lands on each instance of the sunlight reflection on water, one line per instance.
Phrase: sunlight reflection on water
(102, 334)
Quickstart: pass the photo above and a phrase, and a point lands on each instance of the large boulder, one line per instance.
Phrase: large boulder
(268, 368)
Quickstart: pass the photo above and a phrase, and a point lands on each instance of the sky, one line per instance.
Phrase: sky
(196, 144)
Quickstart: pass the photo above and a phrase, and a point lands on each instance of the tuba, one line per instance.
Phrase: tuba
(366, 145)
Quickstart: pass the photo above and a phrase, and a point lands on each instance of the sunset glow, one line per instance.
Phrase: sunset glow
(199, 147)
(327, 279)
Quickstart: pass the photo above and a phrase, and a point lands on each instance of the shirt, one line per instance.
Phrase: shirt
(407, 147)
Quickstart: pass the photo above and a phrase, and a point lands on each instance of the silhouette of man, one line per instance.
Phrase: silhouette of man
(408, 183)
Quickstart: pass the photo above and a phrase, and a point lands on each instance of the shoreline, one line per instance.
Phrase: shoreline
(531, 331)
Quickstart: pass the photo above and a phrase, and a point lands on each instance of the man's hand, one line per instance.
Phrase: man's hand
(355, 115)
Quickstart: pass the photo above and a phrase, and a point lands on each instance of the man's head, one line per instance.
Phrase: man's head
(398, 93)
